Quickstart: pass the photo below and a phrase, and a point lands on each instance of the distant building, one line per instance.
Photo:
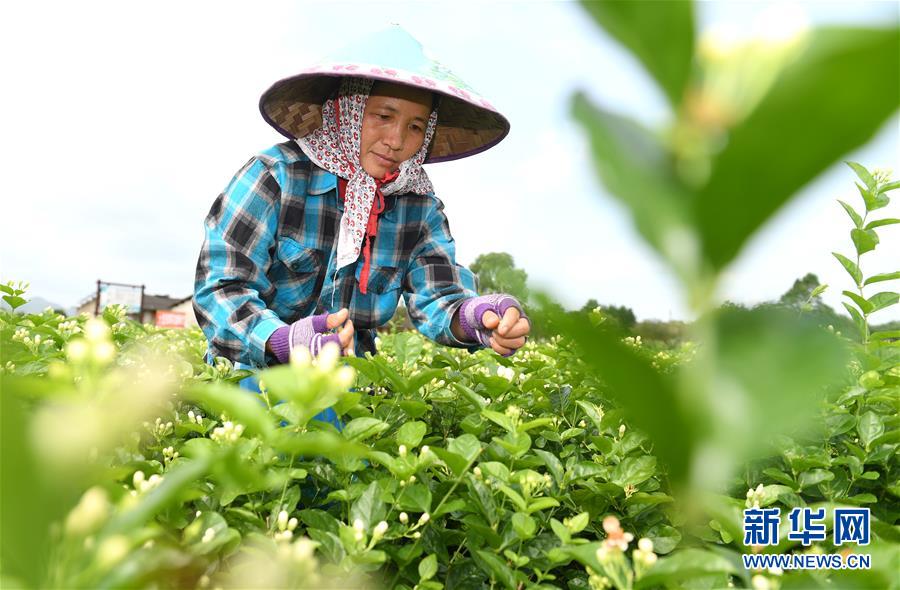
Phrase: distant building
(158, 310)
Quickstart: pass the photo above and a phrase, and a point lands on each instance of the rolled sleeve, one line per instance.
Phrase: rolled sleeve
(231, 288)
(435, 285)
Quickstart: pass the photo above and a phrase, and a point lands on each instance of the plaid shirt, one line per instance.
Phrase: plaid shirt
(269, 257)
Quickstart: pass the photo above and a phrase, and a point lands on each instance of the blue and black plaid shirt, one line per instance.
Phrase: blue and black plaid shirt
(269, 253)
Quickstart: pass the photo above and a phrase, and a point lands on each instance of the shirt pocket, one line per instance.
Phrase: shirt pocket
(303, 274)
(378, 305)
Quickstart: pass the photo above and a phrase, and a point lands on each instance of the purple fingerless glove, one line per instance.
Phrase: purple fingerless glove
(472, 310)
(310, 332)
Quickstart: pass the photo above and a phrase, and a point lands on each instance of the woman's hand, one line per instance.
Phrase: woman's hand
(496, 321)
(313, 333)
(345, 334)
(509, 333)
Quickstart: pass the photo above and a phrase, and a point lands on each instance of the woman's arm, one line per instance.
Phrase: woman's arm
(435, 285)
(231, 287)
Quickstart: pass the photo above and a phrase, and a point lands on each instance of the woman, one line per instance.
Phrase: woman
(326, 231)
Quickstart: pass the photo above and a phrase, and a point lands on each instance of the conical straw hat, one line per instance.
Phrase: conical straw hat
(467, 122)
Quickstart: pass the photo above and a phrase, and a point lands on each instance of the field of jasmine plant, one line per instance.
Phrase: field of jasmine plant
(129, 462)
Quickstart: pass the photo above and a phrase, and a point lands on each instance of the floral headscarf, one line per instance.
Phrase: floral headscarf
(335, 146)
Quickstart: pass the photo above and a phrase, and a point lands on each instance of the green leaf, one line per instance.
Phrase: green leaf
(368, 507)
(883, 299)
(417, 380)
(815, 477)
(885, 334)
(865, 240)
(633, 470)
(366, 367)
(411, 433)
(319, 519)
(407, 347)
(870, 427)
(415, 497)
(637, 170)
(578, 522)
(857, 220)
(484, 500)
(850, 266)
(873, 201)
(247, 409)
(863, 174)
(466, 446)
(857, 318)
(454, 461)
(561, 531)
(359, 429)
(862, 302)
(882, 222)
(744, 190)
(664, 537)
(889, 186)
(818, 291)
(495, 568)
(659, 34)
(887, 276)
(14, 301)
(177, 480)
(428, 568)
(684, 564)
(523, 525)
(593, 412)
(513, 495)
(501, 420)
(539, 504)
(553, 465)
(476, 400)
(536, 423)
(649, 397)
(774, 366)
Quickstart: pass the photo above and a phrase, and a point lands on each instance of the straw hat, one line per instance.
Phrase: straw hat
(467, 122)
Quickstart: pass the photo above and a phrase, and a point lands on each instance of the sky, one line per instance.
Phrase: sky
(123, 121)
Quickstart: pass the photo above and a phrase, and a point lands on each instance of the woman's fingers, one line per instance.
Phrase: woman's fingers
(502, 350)
(346, 334)
(336, 319)
(490, 320)
(521, 328)
(509, 343)
(510, 318)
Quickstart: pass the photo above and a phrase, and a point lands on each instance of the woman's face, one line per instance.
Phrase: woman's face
(393, 127)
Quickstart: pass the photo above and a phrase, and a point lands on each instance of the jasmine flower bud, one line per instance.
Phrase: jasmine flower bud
(404, 517)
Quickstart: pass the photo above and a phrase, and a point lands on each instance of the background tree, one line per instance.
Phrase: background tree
(802, 291)
(497, 273)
